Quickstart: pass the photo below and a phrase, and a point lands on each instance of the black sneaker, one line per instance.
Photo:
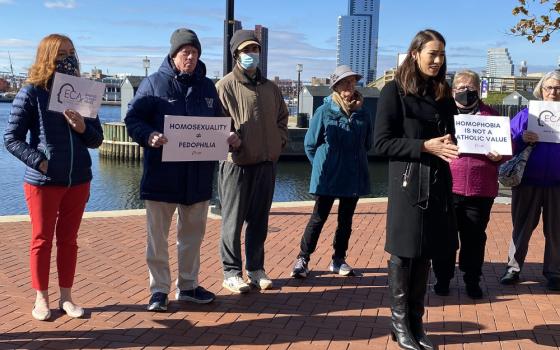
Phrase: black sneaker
(510, 277)
(300, 268)
(158, 302)
(553, 284)
(473, 290)
(198, 295)
(441, 288)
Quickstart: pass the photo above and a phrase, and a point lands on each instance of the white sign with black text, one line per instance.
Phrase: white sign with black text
(192, 138)
(80, 94)
(478, 134)
(544, 120)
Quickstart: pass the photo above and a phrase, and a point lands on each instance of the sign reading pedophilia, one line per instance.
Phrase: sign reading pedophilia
(481, 134)
(195, 138)
(80, 94)
(544, 120)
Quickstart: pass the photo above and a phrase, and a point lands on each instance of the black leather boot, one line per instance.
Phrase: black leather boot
(399, 283)
(419, 271)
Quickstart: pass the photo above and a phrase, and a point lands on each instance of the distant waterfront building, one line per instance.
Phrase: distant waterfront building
(227, 52)
(357, 38)
(262, 34)
(128, 90)
(315, 81)
(112, 88)
(510, 84)
(498, 64)
(287, 87)
(4, 85)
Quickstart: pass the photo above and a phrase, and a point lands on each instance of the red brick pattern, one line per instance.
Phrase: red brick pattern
(321, 312)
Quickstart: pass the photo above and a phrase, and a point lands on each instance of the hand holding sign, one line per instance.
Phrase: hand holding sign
(530, 137)
(157, 139)
(75, 120)
(494, 156)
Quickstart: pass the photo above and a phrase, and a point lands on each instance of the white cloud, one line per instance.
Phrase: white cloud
(67, 4)
(11, 43)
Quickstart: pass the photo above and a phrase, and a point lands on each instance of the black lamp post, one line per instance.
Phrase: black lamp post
(299, 69)
(146, 64)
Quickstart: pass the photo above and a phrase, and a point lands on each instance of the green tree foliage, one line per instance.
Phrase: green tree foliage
(540, 18)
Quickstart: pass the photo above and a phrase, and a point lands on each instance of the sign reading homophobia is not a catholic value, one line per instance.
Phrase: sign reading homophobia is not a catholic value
(80, 94)
(477, 134)
(192, 138)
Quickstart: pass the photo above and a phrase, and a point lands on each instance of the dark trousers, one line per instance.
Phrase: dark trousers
(321, 210)
(527, 204)
(473, 214)
(246, 194)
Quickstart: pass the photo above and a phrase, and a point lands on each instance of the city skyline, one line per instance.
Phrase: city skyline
(118, 35)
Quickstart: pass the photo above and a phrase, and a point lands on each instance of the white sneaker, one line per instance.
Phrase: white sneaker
(235, 284)
(259, 279)
(341, 267)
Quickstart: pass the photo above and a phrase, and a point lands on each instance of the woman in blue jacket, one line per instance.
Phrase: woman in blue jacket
(58, 174)
(336, 144)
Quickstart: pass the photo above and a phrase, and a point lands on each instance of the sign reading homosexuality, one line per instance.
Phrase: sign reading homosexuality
(80, 94)
(544, 119)
(482, 134)
(195, 138)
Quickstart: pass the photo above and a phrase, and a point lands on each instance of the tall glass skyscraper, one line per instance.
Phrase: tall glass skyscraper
(498, 64)
(357, 35)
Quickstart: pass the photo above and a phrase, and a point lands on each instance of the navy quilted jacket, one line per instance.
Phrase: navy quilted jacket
(160, 94)
(50, 138)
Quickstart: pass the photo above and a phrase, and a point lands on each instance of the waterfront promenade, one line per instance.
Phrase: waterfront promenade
(321, 312)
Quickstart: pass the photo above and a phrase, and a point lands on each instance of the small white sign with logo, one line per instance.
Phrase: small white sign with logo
(478, 134)
(544, 120)
(80, 94)
(192, 138)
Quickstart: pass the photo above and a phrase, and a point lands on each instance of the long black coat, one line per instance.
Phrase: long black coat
(420, 216)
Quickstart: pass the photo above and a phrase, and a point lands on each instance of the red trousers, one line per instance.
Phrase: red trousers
(54, 209)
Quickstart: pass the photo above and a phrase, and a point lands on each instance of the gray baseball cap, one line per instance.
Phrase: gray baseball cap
(342, 72)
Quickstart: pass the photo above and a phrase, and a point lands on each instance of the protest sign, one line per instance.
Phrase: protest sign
(80, 94)
(195, 138)
(481, 134)
(544, 120)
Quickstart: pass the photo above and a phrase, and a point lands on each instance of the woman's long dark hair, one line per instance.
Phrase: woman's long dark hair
(408, 75)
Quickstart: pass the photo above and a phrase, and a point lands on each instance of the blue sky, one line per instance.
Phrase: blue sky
(116, 35)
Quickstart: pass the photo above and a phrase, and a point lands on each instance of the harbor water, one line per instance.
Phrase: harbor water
(115, 184)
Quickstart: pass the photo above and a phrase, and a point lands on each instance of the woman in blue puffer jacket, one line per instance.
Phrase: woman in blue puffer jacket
(58, 173)
(336, 143)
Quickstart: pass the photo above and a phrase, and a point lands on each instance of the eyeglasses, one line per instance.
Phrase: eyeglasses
(549, 89)
(464, 87)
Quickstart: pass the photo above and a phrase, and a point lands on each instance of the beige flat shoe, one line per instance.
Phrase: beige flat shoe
(40, 315)
(71, 309)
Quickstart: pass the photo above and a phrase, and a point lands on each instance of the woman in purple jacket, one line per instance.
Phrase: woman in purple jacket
(475, 185)
(539, 191)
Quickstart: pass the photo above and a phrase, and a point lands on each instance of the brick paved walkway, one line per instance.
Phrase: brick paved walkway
(321, 312)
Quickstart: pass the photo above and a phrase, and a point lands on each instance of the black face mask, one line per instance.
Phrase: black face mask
(467, 97)
(69, 65)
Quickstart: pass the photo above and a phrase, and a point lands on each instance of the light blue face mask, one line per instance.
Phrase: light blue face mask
(249, 60)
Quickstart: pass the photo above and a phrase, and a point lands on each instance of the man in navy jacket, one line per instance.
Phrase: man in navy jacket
(180, 87)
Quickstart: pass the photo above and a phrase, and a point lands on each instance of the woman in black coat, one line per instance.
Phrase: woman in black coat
(414, 128)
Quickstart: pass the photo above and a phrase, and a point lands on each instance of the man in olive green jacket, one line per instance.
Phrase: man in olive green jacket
(246, 180)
